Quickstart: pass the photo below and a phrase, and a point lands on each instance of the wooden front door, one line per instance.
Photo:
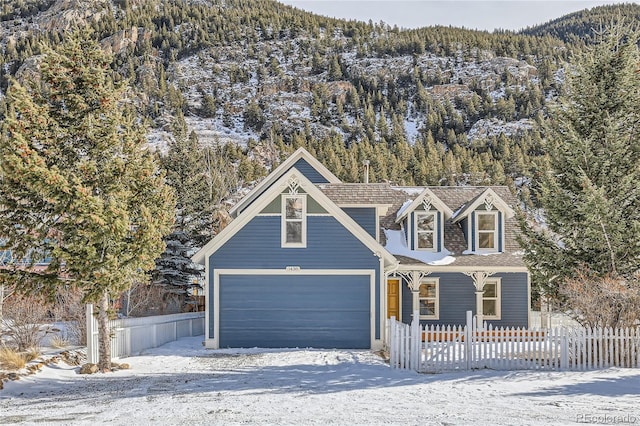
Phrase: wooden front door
(393, 298)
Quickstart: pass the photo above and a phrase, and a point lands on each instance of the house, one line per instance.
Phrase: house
(309, 261)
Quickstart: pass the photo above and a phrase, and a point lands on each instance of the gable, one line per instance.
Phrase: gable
(309, 171)
(309, 167)
(487, 200)
(267, 204)
(427, 200)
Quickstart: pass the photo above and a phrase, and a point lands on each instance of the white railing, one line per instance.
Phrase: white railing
(446, 348)
(131, 336)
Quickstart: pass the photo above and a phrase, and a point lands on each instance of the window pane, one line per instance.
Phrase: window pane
(427, 290)
(294, 208)
(427, 307)
(490, 290)
(486, 240)
(425, 222)
(425, 239)
(489, 307)
(486, 222)
(294, 232)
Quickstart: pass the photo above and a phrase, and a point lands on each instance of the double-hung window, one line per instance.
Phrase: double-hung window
(425, 231)
(487, 235)
(491, 299)
(428, 299)
(294, 220)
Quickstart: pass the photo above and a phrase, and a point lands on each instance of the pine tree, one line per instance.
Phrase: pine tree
(77, 184)
(591, 196)
(185, 167)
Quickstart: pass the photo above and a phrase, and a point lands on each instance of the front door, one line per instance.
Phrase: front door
(393, 298)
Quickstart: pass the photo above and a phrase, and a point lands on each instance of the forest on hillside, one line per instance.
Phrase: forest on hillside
(437, 105)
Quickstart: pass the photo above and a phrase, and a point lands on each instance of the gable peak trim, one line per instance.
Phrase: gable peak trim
(490, 200)
(287, 164)
(428, 200)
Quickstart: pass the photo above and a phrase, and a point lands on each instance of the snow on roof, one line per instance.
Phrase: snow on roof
(403, 208)
(396, 245)
(411, 190)
(457, 212)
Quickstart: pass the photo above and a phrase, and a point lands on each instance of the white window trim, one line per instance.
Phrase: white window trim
(416, 299)
(284, 220)
(496, 234)
(498, 299)
(416, 216)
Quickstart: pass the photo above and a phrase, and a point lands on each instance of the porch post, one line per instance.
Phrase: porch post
(479, 309)
(479, 279)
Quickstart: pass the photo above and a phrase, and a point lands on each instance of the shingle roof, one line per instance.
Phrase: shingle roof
(455, 197)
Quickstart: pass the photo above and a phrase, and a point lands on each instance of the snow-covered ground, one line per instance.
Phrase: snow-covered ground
(183, 383)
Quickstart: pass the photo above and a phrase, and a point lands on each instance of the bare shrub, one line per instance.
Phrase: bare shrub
(70, 308)
(606, 301)
(25, 320)
(145, 299)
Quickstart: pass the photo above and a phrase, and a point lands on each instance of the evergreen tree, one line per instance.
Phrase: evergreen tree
(77, 184)
(591, 196)
(185, 165)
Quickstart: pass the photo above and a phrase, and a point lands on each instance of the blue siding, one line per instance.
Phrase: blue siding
(500, 249)
(407, 302)
(515, 300)
(308, 171)
(295, 311)
(473, 232)
(405, 228)
(365, 217)
(437, 230)
(463, 225)
(329, 246)
(457, 296)
(410, 231)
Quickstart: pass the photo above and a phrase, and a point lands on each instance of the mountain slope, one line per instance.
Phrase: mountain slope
(435, 105)
(582, 26)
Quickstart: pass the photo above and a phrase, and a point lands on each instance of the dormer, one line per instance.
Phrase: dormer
(422, 221)
(483, 222)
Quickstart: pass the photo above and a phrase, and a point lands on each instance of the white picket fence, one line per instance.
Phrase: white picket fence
(446, 348)
(131, 336)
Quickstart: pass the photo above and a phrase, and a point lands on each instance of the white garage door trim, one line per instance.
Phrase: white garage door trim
(292, 271)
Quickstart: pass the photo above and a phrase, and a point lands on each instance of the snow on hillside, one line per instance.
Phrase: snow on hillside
(283, 87)
(183, 383)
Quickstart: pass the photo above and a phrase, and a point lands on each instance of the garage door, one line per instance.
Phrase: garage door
(283, 311)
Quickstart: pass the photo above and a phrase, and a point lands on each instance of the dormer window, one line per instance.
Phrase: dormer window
(487, 235)
(294, 217)
(425, 231)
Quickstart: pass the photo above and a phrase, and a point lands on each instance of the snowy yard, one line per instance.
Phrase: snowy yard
(183, 383)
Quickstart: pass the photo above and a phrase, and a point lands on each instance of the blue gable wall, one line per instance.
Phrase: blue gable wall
(329, 246)
(457, 296)
(303, 167)
(365, 217)
(308, 171)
